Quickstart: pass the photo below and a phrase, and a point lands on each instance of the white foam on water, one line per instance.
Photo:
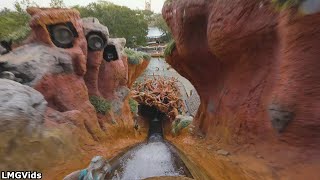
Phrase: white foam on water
(150, 160)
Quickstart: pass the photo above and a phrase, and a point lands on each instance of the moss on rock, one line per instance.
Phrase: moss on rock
(101, 105)
(136, 57)
(170, 47)
(284, 4)
(133, 106)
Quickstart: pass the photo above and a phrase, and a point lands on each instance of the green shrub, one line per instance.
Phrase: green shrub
(170, 47)
(133, 105)
(168, 2)
(284, 4)
(136, 57)
(146, 56)
(101, 105)
(14, 25)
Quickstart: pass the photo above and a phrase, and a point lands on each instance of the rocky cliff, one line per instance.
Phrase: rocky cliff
(254, 67)
(71, 92)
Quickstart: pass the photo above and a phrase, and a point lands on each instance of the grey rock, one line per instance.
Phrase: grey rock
(119, 43)
(32, 61)
(280, 117)
(2, 50)
(223, 152)
(22, 108)
(91, 24)
(120, 94)
(7, 75)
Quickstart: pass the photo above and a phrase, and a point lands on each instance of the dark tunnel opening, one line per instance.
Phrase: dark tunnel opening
(154, 118)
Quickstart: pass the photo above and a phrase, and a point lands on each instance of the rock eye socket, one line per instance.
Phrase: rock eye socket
(110, 53)
(62, 35)
(95, 42)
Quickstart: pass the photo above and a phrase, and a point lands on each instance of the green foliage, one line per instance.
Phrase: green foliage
(146, 56)
(133, 106)
(284, 4)
(121, 21)
(161, 24)
(170, 47)
(136, 57)
(14, 25)
(168, 2)
(180, 123)
(57, 4)
(22, 5)
(101, 105)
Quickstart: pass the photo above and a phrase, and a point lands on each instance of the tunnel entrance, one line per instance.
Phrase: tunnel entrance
(154, 118)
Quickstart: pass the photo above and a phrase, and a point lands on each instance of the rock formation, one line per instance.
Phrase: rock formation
(22, 109)
(25, 140)
(107, 73)
(137, 63)
(255, 68)
(135, 70)
(65, 61)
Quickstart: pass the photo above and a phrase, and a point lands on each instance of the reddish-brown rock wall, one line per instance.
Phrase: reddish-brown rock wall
(66, 92)
(135, 70)
(253, 67)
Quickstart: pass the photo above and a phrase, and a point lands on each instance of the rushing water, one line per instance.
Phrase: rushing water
(155, 158)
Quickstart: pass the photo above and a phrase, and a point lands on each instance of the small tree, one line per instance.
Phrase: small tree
(57, 4)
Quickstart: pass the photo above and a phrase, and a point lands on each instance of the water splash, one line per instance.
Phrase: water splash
(149, 160)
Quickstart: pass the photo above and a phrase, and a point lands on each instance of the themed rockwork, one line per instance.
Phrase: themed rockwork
(255, 69)
(107, 73)
(253, 66)
(137, 64)
(65, 61)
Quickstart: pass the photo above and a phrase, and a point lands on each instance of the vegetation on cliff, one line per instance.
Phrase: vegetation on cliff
(170, 47)
(101, 105)
(136, 57)
(133, 106)
(283, 4)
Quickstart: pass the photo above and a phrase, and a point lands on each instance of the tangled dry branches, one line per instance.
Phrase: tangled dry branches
(160, 92)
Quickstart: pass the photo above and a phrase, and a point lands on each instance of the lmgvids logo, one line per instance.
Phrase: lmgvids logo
(20, 175)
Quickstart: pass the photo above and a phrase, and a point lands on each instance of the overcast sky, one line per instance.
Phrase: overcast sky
(156, 5)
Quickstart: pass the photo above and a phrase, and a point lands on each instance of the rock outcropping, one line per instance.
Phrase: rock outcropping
(25, 140)
(254, 68)
(65, 61)
(22, 110)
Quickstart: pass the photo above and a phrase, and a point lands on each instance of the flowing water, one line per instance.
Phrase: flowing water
(151, 159)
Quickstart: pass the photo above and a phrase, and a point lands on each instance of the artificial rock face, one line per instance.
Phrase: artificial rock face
(255, 68)
(54, 63)
(107, 70)
(26, 143)
(22, 109)
(107, 67)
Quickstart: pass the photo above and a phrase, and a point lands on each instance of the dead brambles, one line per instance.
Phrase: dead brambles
(161, 93)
